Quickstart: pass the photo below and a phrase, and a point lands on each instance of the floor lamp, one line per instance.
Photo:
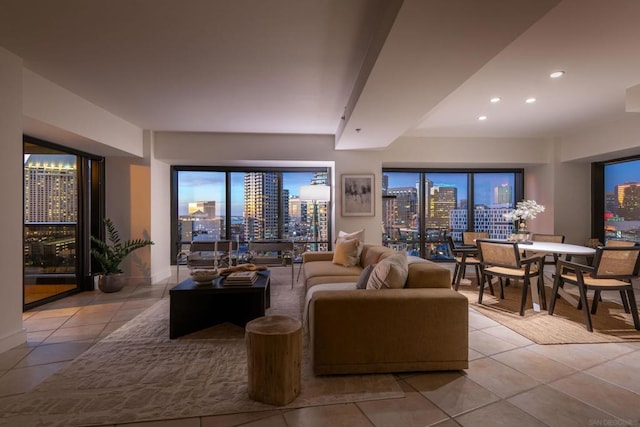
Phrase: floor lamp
(314, 194)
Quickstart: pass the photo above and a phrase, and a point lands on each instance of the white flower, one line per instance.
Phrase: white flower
(525, 209)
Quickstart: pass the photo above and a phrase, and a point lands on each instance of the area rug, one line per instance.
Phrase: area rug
(565, 326)
(138, 374)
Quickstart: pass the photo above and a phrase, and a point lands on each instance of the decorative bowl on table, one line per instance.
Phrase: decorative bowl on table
(204, 276)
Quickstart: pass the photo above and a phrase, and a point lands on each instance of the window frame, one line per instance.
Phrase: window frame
(175, 243)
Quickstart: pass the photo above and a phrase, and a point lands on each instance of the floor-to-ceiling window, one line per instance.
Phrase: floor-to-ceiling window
(61, 190)
(616, 196)
(422, 207)
(245, 204)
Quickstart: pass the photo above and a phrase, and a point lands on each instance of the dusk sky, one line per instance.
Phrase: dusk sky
(485, 182)
(620, 173)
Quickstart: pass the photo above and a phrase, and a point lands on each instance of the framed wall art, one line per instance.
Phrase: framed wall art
(358, 195)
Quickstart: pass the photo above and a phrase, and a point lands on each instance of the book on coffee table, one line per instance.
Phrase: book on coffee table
(241, 278)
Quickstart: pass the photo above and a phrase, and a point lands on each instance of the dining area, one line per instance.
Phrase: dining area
(546, 272)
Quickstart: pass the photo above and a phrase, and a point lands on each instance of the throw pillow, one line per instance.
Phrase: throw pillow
(343, 235)
(364, 276)
(354, 235)
(346, 253)
(390, 273)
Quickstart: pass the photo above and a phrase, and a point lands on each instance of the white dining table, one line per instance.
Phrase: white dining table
(550, 248)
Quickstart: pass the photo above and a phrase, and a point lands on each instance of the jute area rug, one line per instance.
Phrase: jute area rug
(565, 326)
(138, 374)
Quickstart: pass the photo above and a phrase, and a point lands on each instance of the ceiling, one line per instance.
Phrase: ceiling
(366, 71)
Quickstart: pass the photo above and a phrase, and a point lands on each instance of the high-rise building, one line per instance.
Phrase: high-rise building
(406, 206)
(629, 199)
(50, 188)
(441, 201)
(207, 208)
(261, 205)
(503, 195)
(485, 218)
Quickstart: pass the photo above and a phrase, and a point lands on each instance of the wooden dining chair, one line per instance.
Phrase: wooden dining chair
(469, 237)
(502, 260)
(620, 243)
(464, 256)
(613, 269)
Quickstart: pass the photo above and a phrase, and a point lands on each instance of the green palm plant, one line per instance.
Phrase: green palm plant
(111, 254)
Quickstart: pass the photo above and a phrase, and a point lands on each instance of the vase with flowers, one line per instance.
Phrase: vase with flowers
(524, 211)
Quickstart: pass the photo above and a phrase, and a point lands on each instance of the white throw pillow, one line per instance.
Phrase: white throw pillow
(390, 273)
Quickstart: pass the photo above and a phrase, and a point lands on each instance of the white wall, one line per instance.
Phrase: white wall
(160, 223)
(128, 205)
(11, 330)
(49, 107)
(603, 141)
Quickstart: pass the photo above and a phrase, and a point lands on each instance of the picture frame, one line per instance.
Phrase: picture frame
(358, 195)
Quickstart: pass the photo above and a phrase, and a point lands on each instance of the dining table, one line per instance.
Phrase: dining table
(552, 248)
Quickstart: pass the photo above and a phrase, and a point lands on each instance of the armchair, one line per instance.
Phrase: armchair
(502, 260)
(464, 256)
(613, 268)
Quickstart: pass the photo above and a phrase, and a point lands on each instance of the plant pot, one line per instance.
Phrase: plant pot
(108, 283)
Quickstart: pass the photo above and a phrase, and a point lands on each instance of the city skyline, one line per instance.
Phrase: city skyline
(202, 186)
(484, 183)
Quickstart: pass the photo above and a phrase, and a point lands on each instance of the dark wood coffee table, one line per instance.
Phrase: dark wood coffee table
(194, 307)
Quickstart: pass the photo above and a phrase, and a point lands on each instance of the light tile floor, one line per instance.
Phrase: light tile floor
(510, 381)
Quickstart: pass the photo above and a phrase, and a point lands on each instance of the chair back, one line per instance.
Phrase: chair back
(554, 238)
(618, 262)
(470, 237)
(501, 254)
(620, 243)
(452, 245)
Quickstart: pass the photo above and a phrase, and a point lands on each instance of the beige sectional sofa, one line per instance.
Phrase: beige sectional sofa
(420, 327)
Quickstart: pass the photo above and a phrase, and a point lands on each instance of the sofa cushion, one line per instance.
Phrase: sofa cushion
(318, 272)
(364, 276)
(389, 273)
(372, 254)
(346, 253)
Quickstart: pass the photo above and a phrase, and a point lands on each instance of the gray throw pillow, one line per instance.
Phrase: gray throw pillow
(364, 276)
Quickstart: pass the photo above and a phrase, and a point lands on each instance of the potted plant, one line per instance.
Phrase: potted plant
(111, 254)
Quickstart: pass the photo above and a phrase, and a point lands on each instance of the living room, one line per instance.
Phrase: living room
(557, 165)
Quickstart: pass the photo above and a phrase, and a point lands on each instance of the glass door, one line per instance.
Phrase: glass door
(63, 206)
(50, 222)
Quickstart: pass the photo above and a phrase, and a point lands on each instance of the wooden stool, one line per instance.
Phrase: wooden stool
(274, 352)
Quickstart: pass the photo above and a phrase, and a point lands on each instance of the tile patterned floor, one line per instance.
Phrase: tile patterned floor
(510, 380)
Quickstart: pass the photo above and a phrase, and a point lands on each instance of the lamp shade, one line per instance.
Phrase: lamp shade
(318, 193)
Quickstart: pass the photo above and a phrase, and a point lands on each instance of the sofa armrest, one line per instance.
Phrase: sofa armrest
(428, 275)
(388, 330)
(317, 256)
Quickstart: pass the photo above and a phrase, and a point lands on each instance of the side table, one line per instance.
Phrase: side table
(274, 357)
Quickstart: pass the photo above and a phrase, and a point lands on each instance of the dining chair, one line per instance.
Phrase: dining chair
(502, 259)
(550, 259)
(469, 237)
(620, 243)
(613, 269)
(463, 256)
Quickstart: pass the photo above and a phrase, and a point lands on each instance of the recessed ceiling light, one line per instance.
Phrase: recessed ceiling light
(482, 118)
(495, 99)
(530, 100)
(556, 74)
